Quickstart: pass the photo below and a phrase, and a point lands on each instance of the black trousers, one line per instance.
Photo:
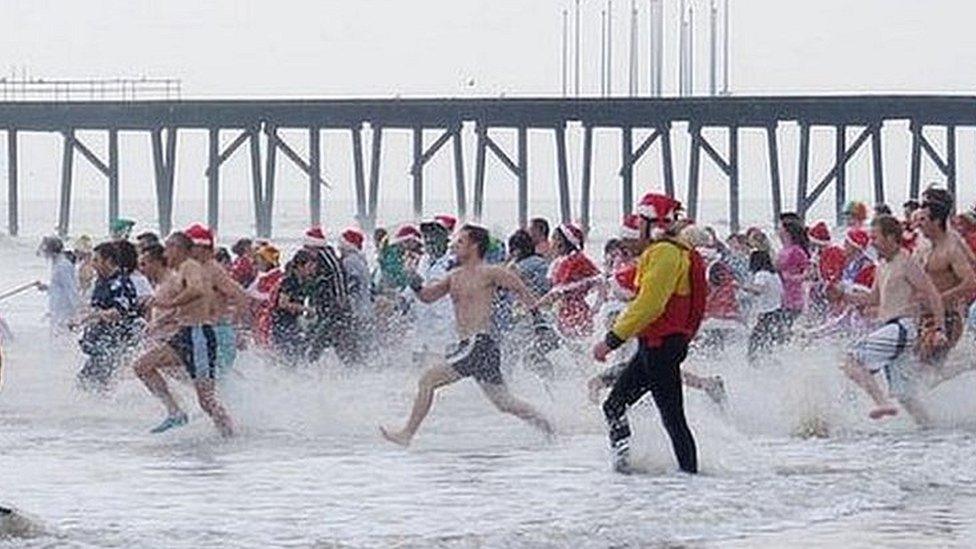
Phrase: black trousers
(658, 370)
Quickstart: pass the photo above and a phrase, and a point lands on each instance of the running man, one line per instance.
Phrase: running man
(183, 335)
(472, 286)
(665, 315)
(943, 256)
(230, 300)
(900, 286)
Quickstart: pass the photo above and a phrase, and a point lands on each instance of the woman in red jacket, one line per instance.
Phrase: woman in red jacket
(572, 275)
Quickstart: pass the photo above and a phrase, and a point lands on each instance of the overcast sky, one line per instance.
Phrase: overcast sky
(384, 47)
(231, 48)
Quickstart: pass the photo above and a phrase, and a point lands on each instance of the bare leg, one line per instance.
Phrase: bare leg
(864, 380)
(147, 367)
(506, 402)
(433, 379)
(207, 397)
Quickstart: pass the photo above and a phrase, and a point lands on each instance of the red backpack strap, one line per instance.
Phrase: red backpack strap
(699, 292)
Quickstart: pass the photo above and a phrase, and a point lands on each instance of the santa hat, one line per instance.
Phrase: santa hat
(858, 238)
(200, 235)
(658, 207)
(448, 222)
(315, 238)
(573, 234)
(630, 229)
(819, 234)
(407, 233)
(353, 238)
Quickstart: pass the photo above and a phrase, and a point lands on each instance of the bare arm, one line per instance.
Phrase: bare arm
(229, 288)
(865, 299)
(432, 292)
(504, 278)
(930, 295)
(963, 269)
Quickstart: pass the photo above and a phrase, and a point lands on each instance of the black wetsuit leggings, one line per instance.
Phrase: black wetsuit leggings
(658, 370)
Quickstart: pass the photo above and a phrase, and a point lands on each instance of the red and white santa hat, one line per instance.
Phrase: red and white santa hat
(200, 235)
(658, 207)
(446, 221)
(630, 229)
(315, 238)
(819, 233)
(407, 233)
(858, 238)
(352, 238)
(573, 234)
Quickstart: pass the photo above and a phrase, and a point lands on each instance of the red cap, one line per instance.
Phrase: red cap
(858, 238)
(407, 232)
(631, 227)
(446, 221)
(572, 233)
(658, 206)
(353, 238)
(315, 238)
(200, 235)
(819, 234)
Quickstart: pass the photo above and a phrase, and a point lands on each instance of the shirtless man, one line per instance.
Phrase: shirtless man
(472, 287)
(900, 287)
(943, 256)
(230, 301)
(181, 338)
(152, 264)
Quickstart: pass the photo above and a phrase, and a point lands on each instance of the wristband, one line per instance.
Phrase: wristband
(612, 340)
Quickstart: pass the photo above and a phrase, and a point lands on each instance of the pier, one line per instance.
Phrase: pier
(251, 121)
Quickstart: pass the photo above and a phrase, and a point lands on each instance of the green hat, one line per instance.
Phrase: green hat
(121, 227)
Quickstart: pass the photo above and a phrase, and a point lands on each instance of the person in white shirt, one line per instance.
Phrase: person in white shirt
(129, 263)
(768, 289)
(434, 326)
(62, 290)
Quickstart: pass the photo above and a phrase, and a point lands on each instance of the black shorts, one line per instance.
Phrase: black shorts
(197, 348)
(477, 357)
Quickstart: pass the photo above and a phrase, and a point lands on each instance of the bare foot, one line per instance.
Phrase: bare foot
(882, 411)
(397, 437)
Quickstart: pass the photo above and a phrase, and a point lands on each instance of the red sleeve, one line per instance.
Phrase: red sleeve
(866, 276)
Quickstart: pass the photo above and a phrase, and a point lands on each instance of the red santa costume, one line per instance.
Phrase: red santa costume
(623, 269)
(722, 305)
(572, 276)
(265, 290)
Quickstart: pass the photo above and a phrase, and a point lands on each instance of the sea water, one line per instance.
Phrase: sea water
(310, 469)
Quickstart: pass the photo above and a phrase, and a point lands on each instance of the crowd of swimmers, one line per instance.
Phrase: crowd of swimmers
(461, 302)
